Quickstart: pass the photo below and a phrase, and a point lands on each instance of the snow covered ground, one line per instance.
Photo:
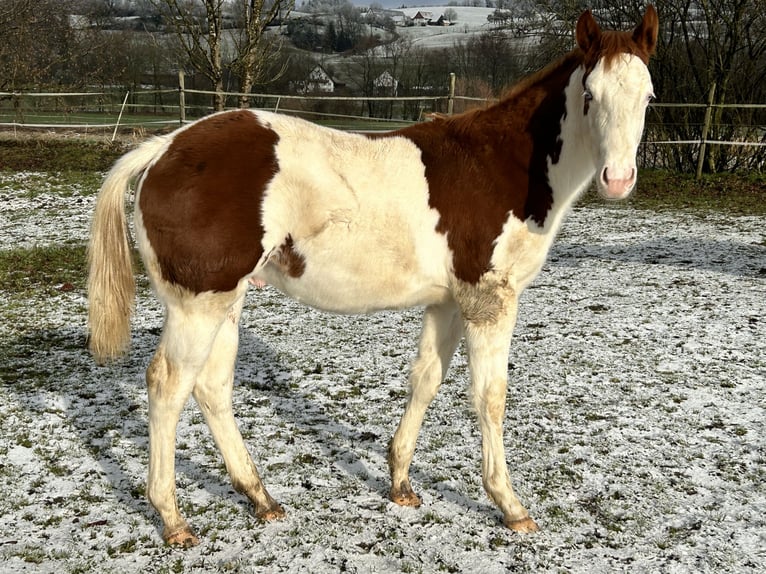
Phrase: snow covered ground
(635, 426)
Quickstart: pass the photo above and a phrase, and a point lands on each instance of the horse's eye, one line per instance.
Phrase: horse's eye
(587, 95)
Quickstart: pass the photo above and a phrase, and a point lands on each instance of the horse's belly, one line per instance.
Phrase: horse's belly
(360, 274)
(343, 290)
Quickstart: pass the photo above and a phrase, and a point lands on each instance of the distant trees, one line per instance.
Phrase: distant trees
(37, 44)
(199, 28)
(338, 30)
(712, 48)
(707, 49)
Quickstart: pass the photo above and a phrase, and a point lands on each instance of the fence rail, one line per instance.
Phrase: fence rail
(100, 112)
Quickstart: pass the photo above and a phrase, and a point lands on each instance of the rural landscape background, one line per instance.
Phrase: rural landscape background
(636, 419)
(709, 73)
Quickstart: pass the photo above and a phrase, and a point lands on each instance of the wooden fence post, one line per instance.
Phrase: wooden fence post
(705, 130)
(119, 117)
(451, 97)
(181, 98)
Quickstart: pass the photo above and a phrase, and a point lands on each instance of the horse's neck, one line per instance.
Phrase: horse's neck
(558, 159)
(570, 176)
(555, 119)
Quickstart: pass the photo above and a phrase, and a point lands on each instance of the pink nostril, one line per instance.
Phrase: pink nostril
(616, 182)
(612, 174)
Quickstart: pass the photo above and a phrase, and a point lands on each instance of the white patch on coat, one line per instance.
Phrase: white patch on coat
(357, 212)
(617, 112)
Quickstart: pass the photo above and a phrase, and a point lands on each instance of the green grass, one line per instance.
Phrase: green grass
(733, 193)
(58, 154)
(56, 267)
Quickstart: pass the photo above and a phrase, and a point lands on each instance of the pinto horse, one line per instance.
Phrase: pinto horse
(456, 215)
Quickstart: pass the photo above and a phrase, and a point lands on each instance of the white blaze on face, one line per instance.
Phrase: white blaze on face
(616, 97)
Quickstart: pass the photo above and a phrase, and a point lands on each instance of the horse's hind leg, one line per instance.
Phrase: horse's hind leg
(442, 329)
(191, 326)
(212, 392)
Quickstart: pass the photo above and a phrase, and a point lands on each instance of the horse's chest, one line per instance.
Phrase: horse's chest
(520, 251)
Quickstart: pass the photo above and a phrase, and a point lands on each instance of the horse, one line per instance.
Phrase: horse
(455, 215)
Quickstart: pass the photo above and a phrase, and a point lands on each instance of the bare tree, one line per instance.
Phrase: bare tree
(36, 42)
(725, 43)
(198, 25)
(257, 53)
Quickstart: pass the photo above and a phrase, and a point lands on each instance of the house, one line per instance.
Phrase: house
(386, 84)
(440, 22)
(422, 18)
(318, 80)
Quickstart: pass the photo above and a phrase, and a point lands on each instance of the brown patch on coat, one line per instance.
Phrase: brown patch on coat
(483, 164)
(201, 201)
(289, 261)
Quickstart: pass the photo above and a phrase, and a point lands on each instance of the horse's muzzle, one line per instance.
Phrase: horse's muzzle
(616, 183)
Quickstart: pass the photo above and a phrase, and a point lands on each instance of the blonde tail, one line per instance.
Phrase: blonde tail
(111, 284)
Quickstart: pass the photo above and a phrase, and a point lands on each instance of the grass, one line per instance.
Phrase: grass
(739, 193)
(33, 153)
(51, 268)
(660, 190)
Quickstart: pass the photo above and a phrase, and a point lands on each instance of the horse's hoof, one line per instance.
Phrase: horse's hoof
(274, 513)
(184, 538)
(405, 497)
(522, 525)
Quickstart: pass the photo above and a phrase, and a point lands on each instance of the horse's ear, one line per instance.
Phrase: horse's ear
(587, 32)
(645, 34)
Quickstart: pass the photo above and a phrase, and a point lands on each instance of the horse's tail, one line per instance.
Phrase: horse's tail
(111, 284)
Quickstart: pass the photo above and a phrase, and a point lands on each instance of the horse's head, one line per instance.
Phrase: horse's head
(616, 91)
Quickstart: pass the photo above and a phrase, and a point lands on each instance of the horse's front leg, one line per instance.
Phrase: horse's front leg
(488, 335)
(441, 333)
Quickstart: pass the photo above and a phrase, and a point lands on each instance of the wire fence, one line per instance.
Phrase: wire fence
(683, 136)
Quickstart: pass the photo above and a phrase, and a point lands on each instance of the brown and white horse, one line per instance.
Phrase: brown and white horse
(456, 215)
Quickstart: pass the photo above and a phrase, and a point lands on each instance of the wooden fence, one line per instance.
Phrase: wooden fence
(110, 112)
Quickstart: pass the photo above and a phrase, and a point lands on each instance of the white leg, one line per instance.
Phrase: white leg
(487, 343)
(187, 337)
(213, 392)
(442, 329)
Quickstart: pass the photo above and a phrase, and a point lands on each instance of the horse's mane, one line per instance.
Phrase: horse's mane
(568, 61)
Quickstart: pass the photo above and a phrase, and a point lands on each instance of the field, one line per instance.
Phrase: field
(636, 421)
